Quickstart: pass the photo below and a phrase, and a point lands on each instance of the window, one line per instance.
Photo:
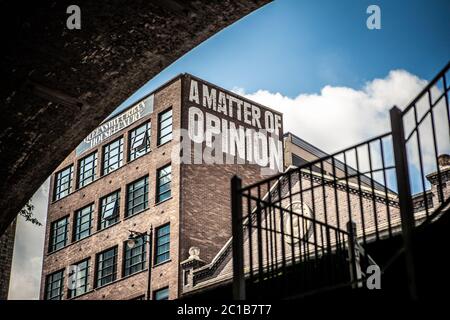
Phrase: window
(165, 127)
(106, 266)
(63, 183)
(80, 280)
(162, 294)
(87, 168)
(54, 286)
(134, 260)
(112, 156)
(140, 141)
(162, 244)
(137, 196)
(83, 223)
(109, 210)
(164, 177)
(187, 274)
(58, 234)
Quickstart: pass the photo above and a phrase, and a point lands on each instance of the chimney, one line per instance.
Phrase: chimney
(189, 265)
(444, 166)
(444, 161)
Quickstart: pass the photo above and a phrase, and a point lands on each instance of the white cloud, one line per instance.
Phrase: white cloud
(338, 117)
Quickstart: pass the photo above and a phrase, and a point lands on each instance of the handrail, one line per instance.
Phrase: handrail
(334, 195)
(363, 252)
(427, 88)
(312, 163)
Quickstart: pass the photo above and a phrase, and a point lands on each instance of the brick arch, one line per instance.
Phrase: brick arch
(59, 84)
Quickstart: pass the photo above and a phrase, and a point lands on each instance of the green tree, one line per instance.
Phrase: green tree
(27, 213)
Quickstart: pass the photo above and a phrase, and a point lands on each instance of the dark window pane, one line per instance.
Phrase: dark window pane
(83, 223)
(165, 127)
(109, 210)
(162, 244)
(137, 196)
(79, 278)
(112, 156)
(63, 183)
(54, 286)
(106, 267)
(135, 257)
(87, 169)
(140, 141)
(162, 294)
(58, 234)
(164, 178)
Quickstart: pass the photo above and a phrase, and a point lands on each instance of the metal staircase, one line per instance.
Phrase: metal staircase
(308, 231)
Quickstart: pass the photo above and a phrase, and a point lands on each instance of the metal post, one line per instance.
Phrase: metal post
(353, 256)
(238, 239)
(404, 195)
(150, 247)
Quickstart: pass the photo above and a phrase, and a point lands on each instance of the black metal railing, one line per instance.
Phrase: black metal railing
(307, 228)
(301, 218)
(427, 138)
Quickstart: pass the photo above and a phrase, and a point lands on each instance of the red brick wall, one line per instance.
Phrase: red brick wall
(6, 255)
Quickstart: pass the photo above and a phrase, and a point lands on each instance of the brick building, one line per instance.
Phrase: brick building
(127, 181)
(6, 256)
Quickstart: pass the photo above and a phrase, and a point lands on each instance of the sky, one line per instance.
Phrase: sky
(295, 46)
(28, 250)
(317, 62)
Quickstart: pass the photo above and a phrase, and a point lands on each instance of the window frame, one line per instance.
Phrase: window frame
(156, 292)
(52, 245)
(50, 283)
(76, 234)
(158, 194)
(128, 270)
(157, 245)
(135, 153)
(106, 149)
(81, 164)
(160, 128)
(57, 193)
(113, 273)
(72, 293)
(145, 195)
(115, 218)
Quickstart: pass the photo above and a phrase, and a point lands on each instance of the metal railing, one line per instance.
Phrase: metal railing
(426, 122)
(305, 230)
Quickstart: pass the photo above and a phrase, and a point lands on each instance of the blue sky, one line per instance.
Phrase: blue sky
(296, 46)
